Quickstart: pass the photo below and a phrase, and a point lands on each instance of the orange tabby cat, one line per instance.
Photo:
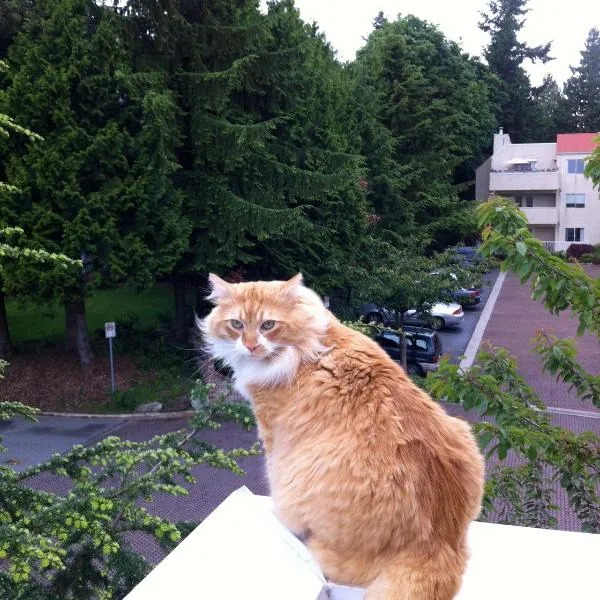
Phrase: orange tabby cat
(374, 473)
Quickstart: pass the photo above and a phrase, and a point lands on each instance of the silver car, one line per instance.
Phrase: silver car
(441, 315)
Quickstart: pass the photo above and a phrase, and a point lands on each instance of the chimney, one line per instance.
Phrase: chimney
(500, 139)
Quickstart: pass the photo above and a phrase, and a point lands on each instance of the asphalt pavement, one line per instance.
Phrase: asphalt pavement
(456, 339)
(29, 443)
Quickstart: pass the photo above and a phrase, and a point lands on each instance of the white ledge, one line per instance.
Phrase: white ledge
(242, 552)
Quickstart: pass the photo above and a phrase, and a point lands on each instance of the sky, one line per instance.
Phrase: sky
(347, 22)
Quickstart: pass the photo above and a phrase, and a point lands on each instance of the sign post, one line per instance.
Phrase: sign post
(110, 331)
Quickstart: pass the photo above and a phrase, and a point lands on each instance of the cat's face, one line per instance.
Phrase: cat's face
(264, 322)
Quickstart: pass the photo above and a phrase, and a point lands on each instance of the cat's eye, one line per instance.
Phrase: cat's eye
(267, 325)
(236, 324)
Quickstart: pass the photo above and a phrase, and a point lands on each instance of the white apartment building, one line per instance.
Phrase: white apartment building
(547, 182)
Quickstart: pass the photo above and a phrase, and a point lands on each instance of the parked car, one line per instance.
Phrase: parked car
(464, 296)
(441, 315)
(423, 348)
(467, 255)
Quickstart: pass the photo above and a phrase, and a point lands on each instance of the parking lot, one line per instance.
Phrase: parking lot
(455, 340)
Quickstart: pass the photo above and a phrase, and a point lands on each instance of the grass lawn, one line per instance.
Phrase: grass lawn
(31, 322)
(149, 365)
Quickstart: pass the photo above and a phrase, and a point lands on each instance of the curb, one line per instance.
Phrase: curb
(136, 416)
(477, 336)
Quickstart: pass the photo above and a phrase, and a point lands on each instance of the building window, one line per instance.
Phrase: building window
(519, 200)
(575, 200)
(529, 201)
(574, 234)
(575, 165)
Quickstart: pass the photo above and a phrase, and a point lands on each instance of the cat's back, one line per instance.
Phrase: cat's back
(368, 391)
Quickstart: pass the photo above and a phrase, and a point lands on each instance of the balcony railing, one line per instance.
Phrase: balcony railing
(523, 181)
(560, 246)
(242, 552)
(541, 215)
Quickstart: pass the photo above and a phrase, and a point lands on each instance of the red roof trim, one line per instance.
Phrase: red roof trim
(583, 143)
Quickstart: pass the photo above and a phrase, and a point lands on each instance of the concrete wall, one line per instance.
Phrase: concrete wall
(534, 181)
(589, 217)
(504, 151)
(482, 180)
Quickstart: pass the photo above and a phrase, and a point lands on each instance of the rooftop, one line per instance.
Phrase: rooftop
(576, 142)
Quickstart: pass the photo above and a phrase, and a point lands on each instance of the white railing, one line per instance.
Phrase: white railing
(559, 246)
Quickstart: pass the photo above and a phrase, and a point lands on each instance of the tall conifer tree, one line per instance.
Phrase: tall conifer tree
(98, 187)
(582, 89)
(518, 112)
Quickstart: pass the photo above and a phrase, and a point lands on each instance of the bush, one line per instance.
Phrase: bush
(576, 250)
(561, 254)
(77, 546)
(586, 258)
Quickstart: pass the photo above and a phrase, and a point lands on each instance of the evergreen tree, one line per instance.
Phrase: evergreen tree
(98, 188)
(555, 116)
(226, 63)
(583, 87)
(424, 112)
(518, 113)
(318, 133)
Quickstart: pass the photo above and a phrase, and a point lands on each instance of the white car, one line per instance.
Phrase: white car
(441, 315)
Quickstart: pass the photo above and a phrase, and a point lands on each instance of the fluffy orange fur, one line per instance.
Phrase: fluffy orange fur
(365, 464)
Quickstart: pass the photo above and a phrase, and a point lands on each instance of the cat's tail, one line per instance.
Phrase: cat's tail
(437, 577)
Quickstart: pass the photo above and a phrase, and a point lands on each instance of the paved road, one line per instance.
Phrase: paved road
(29, 443)
(455, 340)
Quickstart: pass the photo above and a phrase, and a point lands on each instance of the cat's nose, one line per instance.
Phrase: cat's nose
(250, 346)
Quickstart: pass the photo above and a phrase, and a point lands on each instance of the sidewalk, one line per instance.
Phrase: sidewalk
(514, 323)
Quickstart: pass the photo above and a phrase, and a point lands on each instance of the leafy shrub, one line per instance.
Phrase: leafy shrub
(75, 546)
(576, 250)
(561, 254)
(586, 258)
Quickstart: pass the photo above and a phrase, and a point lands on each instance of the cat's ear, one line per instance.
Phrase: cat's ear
(292, 285)
(219, 288)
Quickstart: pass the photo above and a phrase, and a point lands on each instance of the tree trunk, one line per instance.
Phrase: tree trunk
(76, 335)
(180, 310)
(70, 330)
(5, 341)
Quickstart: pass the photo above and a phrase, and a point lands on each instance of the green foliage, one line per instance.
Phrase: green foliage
(560, 286)
(98, 186)
(425, 109)
(582, 89)
(518, 113)
(592, 167)
(517, 422)
(494, 388)
(555, 114)
(76, 545)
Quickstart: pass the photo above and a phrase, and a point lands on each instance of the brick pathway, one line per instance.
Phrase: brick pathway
(514, 323)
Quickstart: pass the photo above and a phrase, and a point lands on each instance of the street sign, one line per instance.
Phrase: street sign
(110, 331)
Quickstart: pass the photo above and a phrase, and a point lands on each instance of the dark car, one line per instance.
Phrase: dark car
(467, 255)
(464, 296)
(423, 348)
